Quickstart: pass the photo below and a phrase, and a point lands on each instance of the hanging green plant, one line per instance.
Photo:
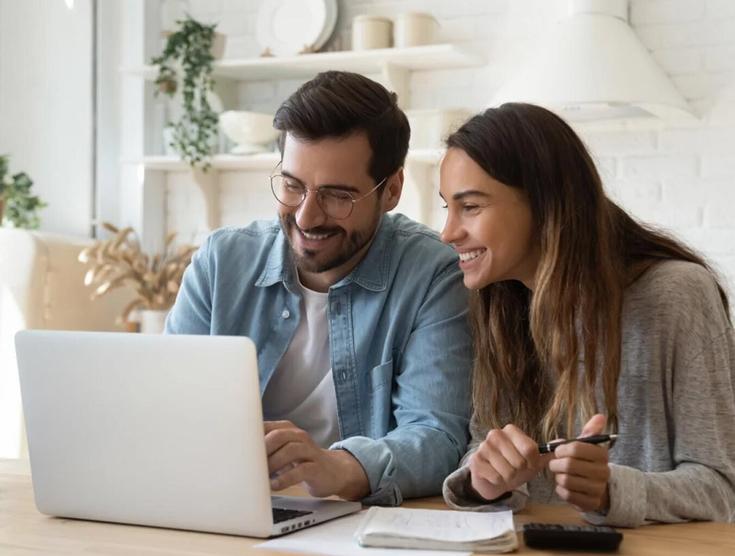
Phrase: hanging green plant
(18, 208)
(189, 50)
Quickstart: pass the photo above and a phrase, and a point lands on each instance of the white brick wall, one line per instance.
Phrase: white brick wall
(665, 11)
(679, 177)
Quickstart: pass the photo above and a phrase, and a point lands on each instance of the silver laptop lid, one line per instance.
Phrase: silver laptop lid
(156, 430)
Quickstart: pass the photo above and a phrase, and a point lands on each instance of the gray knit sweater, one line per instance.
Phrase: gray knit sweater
(675, 457)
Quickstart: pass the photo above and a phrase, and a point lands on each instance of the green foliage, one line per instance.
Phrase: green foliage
(189, 49)
(20, 207)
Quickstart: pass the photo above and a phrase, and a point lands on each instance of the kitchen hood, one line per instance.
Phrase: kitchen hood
(723, 111)
(593, 67)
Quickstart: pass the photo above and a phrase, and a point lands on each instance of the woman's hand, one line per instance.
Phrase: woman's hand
(581, 471)
(505, 460)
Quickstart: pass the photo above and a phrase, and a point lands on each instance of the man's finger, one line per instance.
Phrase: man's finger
(278, 438)
(289, 453)
(269, 426)
(298, 474)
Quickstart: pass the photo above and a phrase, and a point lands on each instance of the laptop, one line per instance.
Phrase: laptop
(165, 431)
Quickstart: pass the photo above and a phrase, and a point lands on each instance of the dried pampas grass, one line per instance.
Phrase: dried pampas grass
(119, 261)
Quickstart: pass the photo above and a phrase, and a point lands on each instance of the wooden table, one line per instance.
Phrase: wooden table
(25, 532)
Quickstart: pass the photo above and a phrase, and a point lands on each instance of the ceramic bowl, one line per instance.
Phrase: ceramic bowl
(251, 131)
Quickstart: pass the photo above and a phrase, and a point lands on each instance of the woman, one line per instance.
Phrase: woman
(585, 322)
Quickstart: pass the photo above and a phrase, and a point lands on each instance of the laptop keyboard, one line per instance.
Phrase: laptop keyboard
(281, 514)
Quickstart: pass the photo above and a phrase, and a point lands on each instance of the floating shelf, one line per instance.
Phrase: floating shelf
(261, 161)
(420, 163)
(416, 58)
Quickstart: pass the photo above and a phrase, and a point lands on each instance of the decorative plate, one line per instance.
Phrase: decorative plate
(290, 27)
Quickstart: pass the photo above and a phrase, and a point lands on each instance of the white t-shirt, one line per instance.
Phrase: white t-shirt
(301, 389)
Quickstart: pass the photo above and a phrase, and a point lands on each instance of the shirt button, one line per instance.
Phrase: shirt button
(286, 313)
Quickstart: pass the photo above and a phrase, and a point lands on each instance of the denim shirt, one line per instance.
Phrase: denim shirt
(400, 344)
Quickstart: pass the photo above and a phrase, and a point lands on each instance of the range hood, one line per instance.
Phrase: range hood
(723, 111)
(592, 67)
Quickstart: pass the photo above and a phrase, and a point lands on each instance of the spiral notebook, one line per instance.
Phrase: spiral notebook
(437, 530)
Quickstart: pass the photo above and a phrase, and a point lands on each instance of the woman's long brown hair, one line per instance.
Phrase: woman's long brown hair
(540, 354)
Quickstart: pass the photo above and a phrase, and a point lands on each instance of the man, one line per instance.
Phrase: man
(359, 317)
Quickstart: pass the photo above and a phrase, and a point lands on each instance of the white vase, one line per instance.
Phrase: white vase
(168, 140)
(414, 29)
(369, 32)
(175, 108)
(174, 113)
(152, 321)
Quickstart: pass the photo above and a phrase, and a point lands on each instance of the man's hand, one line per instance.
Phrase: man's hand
(581, 471)
(506, 459)
(293, 458)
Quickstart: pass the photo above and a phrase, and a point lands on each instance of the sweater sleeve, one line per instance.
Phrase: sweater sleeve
(458, 492)
(700, 414)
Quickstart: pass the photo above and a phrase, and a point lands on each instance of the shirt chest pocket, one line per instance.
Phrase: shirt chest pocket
(381, 377)
(381, 390)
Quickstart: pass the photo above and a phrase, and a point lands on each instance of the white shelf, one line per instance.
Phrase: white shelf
(417, 58)
(394, 66)
(264, 161)
(430, 157)
(261, 161)
(152, 170)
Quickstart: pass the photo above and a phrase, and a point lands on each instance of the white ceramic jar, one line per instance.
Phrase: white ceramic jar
(369, 31)
(153, 321)
(414, 29)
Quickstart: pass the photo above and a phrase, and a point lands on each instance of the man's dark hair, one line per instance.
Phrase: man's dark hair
(338, 104)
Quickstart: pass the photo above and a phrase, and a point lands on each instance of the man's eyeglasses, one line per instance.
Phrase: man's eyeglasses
(336, 203)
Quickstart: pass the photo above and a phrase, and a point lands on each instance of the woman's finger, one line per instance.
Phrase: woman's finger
(583, 451)
(580, 468)
(582, 502)
(581, 485)
(596, 425)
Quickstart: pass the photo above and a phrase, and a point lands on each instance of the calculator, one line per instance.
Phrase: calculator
(584, 537)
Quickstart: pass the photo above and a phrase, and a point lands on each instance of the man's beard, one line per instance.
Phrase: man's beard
(307, 260)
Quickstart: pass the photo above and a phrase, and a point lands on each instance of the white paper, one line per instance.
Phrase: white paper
(336, 538)
(439, 525)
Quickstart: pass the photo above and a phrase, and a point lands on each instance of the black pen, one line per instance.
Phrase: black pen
(594, 439)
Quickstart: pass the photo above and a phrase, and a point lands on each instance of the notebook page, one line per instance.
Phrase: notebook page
(335, 538)
(440, 525)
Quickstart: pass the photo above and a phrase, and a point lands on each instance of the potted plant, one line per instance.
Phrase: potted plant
(119, 261)
(189, 51)
(18, 208)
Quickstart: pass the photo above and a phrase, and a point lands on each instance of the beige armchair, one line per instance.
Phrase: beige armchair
(41, 286)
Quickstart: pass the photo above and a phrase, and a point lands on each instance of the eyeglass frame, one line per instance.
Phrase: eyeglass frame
(318, 190)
